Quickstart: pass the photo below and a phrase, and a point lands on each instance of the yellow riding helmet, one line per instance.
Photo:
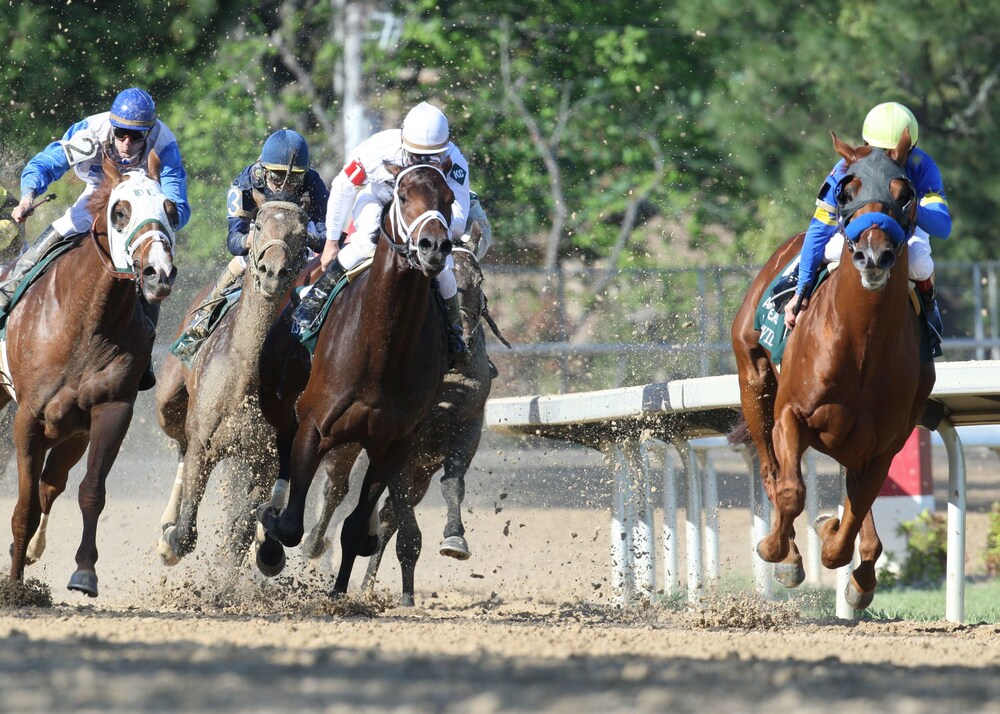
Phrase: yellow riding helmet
(885, 123)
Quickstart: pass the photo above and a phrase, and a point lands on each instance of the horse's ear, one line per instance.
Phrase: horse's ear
(446, 165)
(171, 208)
(153, 166)
(848, 152)
(258, 197)
(392, 168)
(902, 149)
(112, 174)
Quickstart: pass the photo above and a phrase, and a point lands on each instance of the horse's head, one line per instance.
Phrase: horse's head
(131, 210)
(419, 216)
(276, 245)
(877, 207)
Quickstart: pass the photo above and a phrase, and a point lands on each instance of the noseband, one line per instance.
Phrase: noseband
(410, 232)
(876, 172)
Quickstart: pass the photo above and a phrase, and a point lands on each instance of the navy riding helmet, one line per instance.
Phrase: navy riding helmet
(133, 108)
(285, 149)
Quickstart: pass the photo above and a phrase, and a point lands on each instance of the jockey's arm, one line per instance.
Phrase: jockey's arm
(932, 209)
(173, 181)
(329, 254)
(43, 169)
(343, 190)
(239, 229)
(458, 181)
(319, 197)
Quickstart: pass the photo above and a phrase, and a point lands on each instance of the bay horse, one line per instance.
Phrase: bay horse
(379, 361)
(212, 409)
(852, 383)
(77, 344)
(448, 439)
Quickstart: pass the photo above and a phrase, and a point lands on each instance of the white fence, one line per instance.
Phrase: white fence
(625, 423)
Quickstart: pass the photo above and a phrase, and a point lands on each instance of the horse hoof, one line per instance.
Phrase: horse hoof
(821, 520)
(857, 599)
(407, 600)
(168, 556)
(315, 550)
(84, 581)
(455, 547)
(370, 547)
(789, 575)
(270, 557)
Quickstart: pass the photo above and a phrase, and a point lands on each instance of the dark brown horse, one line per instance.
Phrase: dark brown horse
(448, 439)
(212, 410)
(77, 345)
(852, 383)
(378, 365)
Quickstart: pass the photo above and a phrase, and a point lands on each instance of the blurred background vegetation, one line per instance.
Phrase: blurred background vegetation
(602, 136)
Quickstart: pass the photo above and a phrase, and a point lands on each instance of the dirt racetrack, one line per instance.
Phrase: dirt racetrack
(528, 624)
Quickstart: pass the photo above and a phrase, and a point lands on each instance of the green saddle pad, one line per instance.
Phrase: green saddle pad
(770, 318)
(186, 346)
(32, 275)
(308, 335)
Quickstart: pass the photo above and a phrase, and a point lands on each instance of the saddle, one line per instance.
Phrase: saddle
(308, 336)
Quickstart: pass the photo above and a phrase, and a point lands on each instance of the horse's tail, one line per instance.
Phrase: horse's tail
(739, 435)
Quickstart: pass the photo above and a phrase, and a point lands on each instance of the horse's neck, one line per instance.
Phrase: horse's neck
(394, 306)
(866, 314)
(251, 321)
(107, 301)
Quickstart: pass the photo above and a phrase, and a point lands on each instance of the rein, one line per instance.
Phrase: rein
(256, 252)
(483, 311)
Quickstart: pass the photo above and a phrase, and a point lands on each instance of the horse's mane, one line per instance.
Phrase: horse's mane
(98, 203)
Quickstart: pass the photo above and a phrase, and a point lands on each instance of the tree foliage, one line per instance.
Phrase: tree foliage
(611, 134)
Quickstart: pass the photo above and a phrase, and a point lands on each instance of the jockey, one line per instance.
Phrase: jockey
(126, 134)
(281, 171)
(883, 128)
(11, 234)
(359, 193)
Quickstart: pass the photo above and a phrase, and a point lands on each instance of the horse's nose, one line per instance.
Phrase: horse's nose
(886, 259)
(430, 243)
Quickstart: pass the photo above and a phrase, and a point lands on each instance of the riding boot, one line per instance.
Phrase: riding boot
(929, 305)
(151, 313)
(783, 290)
(25, 263)
(458, 353)
(312, 304)
(198, 327)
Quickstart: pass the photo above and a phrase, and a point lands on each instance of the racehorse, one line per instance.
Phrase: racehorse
(379, 361)
(212, 409)
(449, 438)
(852, 383)
(77, 345)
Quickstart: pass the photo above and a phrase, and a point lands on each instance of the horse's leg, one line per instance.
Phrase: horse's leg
(58, 463)
(861, 590)
(386, 530)
(288, 526)
(838, 535)
(788, 496)
(409, 540)
(338, 464)
(180, 538)
(456, 465)
(247, 490)
(355, 538)
(108, 425)
(30, 442)
(758, 391)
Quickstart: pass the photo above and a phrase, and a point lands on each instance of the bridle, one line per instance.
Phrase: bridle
(146, 199)
(410, 232)
(256, 252)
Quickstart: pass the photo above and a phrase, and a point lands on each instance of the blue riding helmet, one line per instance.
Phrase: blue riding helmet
(285, 149)
(133, 108)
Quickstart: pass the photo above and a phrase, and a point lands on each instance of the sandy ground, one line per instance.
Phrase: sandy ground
(528, 624)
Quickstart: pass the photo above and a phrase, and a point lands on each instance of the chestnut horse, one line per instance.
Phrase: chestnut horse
(212, 410)
(379, 362)
(852, 383)
(77, 344)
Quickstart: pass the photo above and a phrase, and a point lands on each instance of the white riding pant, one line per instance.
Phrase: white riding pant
(367, 213)
(918, 249)
(77, 218)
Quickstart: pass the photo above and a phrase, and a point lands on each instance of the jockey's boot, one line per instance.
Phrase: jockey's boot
(494, 372)
(151, 313)
(26, 262)
(928, 303)
(312, 304)
(784, 289)
(198, 324)
(458, 353)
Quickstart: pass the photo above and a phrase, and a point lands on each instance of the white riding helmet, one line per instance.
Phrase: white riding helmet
(425, 130)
